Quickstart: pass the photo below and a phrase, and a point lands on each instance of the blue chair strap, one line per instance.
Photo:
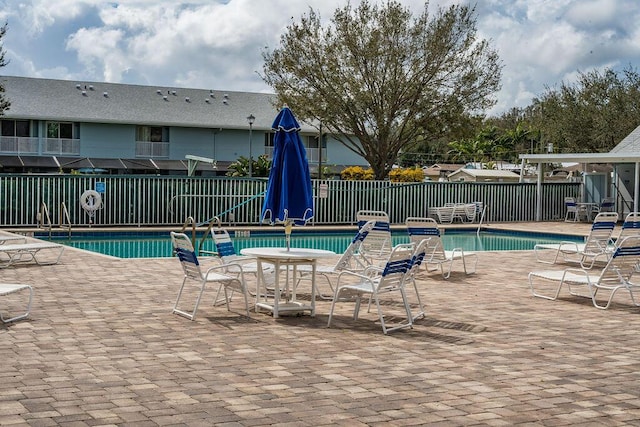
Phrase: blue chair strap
(225, 249)
(603, 225)
(185, 255)
(399, 266)
(631, 224)
(360, 236)
(379, 225)
(417, 259)
(629, 250)
(423, 231)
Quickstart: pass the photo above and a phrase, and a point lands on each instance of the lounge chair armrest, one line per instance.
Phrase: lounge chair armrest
(345, 273)
(372, 270)
(237, 268)
(577, 272)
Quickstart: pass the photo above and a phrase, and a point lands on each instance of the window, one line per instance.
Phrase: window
(60, 130)
(313, 141)
(152, 134)
(309, 141)
(268, 139)
(62, 139)
(152, 141)
(16, 137)
(311, 144)
(16, 128)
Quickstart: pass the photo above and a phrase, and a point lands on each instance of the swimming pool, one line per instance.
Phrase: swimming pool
(158, 244)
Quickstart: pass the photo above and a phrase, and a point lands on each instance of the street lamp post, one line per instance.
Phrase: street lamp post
(250, 119)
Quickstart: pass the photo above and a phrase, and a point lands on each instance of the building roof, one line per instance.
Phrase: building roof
(446, 166)
(627, 151)
(98, 102)
(488, 173)
(439, 169)
(630, 143)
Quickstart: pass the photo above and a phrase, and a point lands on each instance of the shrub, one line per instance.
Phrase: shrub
(357, 173)
(414, 174)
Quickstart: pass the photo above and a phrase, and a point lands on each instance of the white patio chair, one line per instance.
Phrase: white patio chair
(616, 275)
(575, 212)
(227, 255)
(10, 288)
(376, 246)
(347, 261)
(193, 273)
(608, 204)
(598, 244)
(417, 258)
(436, 257)
(374, 282)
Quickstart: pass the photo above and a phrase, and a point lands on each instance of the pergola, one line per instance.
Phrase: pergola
(610, 158)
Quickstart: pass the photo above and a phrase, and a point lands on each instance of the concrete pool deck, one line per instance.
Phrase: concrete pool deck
(101, 347)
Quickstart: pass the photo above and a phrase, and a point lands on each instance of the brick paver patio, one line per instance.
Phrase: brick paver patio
(102, 348)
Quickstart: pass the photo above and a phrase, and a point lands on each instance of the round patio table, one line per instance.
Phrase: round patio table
(281, 257)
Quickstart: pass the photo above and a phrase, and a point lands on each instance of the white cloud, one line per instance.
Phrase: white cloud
(593, 14)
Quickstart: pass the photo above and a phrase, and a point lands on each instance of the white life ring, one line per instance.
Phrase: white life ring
(91, 201)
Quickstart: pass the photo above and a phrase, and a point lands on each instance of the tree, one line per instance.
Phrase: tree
(4, 103)
(591, 115)
(380, 80)
(260, 167)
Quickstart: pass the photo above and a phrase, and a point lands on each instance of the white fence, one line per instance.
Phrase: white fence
(168, 201)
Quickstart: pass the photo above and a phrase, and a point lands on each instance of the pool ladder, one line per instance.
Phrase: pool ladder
(44, 219)
(190, 223)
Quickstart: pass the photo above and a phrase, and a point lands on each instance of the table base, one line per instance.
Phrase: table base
(291, 307)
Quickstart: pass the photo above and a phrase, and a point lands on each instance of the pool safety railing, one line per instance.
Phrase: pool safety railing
(64, 219)
(43, 219)
(215, 221)
(481, 221)
(137, 201)
(190, 222)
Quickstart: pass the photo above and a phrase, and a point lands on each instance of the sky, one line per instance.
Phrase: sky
(218, 44)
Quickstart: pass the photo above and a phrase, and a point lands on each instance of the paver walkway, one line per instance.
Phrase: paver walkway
(102, 348)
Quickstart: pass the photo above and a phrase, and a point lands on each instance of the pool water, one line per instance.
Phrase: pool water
(152, 245)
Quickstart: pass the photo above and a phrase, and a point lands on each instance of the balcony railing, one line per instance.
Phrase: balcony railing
(152, 149)
(313, 154)
(61, 147)
(18, 145)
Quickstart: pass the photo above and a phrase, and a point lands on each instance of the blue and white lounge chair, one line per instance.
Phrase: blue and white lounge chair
(217, 275)
(374, 282)
(227, 252)
(630, 226)
(436, 257)
(347, 261)
(599, 244)
(617, 275)
(377, 245)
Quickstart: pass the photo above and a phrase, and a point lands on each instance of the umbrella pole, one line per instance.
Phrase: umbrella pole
(287, 233)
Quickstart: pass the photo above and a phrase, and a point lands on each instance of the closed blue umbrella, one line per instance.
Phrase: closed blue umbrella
(289, 196)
